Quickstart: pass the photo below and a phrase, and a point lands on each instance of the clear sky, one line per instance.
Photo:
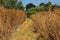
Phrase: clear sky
(37, 2)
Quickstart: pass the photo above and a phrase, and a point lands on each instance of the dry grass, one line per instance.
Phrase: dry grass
(9, 20)
(47, 24)
(24, 32)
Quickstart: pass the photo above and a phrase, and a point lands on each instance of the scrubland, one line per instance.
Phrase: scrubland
(9, 20)
(14, 25)
(47, 25)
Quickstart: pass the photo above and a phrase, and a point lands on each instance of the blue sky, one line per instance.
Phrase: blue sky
(37, 2)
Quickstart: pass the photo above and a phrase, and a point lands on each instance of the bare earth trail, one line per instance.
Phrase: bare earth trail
(24, 32)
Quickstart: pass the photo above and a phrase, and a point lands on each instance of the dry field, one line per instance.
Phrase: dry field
(9, 20)
(47, 24)
(24, 32)
(40, 26)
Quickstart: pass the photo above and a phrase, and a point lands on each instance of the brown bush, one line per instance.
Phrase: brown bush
(9, 20)
(47, 24)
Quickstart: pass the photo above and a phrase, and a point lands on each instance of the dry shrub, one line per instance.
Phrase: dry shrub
(9, 20)
(47, 24)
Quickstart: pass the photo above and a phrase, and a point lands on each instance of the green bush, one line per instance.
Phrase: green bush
(33, 10)
(39, 9)
(30, 11)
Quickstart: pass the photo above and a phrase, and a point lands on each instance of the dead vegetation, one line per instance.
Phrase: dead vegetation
(9, 20)
(47, 26)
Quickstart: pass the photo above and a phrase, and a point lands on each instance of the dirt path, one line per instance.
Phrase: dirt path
(24, 32)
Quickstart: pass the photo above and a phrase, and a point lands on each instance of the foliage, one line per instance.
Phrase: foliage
(33, 10)
(49, 5)
(19, 5)
(42, 4)
(40, 9)
(30, 5)
(2, 1)
(56, 7)
(10, 3)
(30, 11)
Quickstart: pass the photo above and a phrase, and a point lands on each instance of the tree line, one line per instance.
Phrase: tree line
(30, 8)
(10, 4)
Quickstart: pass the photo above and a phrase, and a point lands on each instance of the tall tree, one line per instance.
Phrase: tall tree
(42, 4)
(49, 5)
(30, 5)
(2, 2)
(10, 3)
(19, 5)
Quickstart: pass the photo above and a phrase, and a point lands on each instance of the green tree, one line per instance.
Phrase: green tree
(30, 5)
(42, 4)
(30, 12)
(49, 6)
(10, 3)
(2, 2)
(19, 5)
